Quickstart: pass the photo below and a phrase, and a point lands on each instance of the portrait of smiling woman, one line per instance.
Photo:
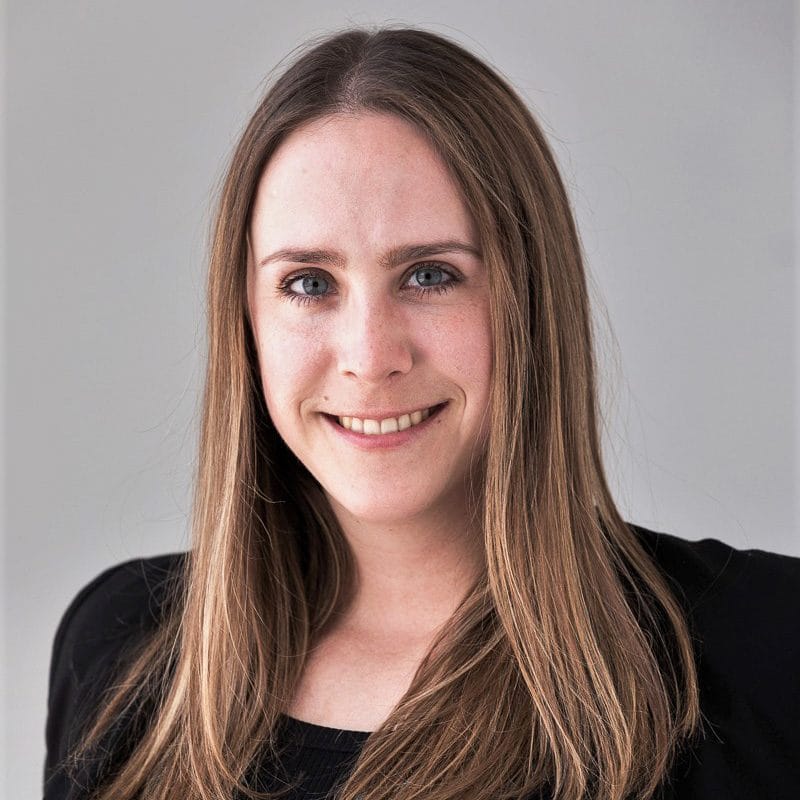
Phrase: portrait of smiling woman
(408, 578)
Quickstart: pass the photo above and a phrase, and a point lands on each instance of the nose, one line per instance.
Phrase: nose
(374, 341)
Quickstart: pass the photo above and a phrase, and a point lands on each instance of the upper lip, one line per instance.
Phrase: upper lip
(379, 414)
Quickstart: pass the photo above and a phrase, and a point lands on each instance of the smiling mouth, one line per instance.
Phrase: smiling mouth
(372, 427)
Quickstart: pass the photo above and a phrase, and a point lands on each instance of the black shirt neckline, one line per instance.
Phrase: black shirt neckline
(322, 737)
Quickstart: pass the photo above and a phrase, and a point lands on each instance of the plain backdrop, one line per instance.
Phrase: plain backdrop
(674, 124)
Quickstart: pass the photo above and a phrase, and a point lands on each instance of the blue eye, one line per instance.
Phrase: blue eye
(430, 276)
(313, 286)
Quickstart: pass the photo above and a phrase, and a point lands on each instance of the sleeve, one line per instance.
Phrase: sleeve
(750, 672)
(744, 612)
(101, 621)
(66, 682)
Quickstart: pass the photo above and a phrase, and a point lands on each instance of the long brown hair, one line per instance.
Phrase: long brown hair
(569, 666)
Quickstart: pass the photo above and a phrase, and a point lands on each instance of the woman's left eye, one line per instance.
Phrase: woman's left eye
(311, 287)
(431, 277)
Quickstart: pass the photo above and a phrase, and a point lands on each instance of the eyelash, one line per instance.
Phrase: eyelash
(422, 291)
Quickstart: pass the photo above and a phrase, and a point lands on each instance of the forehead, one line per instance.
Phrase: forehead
(372, 174)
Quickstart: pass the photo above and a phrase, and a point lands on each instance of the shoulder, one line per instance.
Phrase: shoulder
(694, 562)
(725, 589)
(122, 598)
(743, 605)
(743, 611)
(105, 617)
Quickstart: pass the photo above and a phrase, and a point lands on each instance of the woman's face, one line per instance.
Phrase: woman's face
(369, 299)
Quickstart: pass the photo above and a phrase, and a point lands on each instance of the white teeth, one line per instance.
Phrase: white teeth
(372, 427)
(389, 426)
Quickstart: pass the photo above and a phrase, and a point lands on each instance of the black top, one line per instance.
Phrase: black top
(744, 612)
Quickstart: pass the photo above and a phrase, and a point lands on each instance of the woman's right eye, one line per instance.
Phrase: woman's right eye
(305, 288)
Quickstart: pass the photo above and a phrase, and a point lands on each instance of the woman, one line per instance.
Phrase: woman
(408, 578)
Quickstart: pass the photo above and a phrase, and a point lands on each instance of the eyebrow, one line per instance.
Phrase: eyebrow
(389, 260)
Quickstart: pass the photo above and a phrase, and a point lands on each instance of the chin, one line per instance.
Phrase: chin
(366, 509)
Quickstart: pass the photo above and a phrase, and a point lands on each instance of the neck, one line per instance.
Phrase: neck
(411, 574)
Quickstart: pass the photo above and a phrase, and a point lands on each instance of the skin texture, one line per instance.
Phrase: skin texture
(359, 185)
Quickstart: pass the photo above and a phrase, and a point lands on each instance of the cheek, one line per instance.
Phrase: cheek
(466, 350)
(290, 363)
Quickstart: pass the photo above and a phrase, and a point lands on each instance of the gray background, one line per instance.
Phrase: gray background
(674, 124)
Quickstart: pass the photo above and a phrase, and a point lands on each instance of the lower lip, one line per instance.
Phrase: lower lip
(381, 441)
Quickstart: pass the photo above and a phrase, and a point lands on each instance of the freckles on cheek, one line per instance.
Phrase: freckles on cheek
(470, 358)
(290, 360)
(466, 346)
